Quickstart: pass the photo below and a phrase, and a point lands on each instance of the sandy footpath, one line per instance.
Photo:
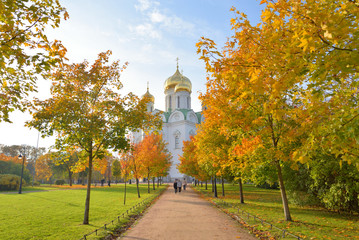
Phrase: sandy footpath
(185, 216)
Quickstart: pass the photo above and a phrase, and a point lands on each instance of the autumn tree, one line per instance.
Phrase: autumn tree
(154, 156)
(292, 73)
(189, 164)
(43, 167)
(137, 166)
(31, 155)
(25, 50)
(5, 158)
(87, 111)
(162, 160)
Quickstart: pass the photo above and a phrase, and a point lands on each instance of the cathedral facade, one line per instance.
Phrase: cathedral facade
(179, 120)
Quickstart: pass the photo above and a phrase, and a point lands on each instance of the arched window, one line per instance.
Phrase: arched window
(176, 142)
(178, 102)
(170, 101)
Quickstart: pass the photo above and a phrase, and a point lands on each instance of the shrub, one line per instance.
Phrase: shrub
(324, 182)
(59, 182)
(14, 168)
(267, 185)
(36, 183)
(10, 182)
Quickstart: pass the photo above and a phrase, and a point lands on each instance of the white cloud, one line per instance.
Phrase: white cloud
(146, 30)
(156, 22)
(157, 17)
(143, 5)
(176, 24)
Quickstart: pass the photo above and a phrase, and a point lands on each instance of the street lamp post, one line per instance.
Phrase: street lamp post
(34, 167)
(22, 168)
(22, 171)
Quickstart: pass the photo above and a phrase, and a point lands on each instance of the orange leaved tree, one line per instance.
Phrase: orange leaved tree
(291, 82)
(154, 157)
(189, 162)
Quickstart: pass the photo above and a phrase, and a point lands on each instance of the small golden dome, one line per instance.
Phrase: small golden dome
(149, 95)
(184, 86)
(178, 82)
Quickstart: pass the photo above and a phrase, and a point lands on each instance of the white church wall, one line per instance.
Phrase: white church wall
(192, 117)
(184, 100)
(170, 99)
(176, 116)
(182, 130)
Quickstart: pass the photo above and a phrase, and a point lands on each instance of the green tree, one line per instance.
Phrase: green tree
(25, 51)
(87, 111)
(67, 161)
(116, 169)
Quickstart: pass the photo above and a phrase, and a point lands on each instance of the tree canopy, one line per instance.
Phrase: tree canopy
(287, 86)
(25, 50)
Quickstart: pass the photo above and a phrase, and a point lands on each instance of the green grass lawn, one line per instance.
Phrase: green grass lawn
(308, 222)
(59, 214)
(35, 188)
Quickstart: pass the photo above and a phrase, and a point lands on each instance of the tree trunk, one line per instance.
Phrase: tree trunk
(241, 191)
(138, 189)
(215, 187)
(206, 185)
(70, 177)
(201, 184)
(153, 183)
(124, 199)
(158, 182)
(212, 184)
(87, 205)
(83, 179)
(148, 181)
(283, 193)
(222, 187)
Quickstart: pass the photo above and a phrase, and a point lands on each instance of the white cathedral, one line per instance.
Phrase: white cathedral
(179, 120)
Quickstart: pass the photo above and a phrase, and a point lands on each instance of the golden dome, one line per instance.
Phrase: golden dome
(149, 95)
(178, 82)
(184, 86)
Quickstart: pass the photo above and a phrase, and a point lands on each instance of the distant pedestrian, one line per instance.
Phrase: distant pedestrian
(175, 185)
(184, 184)
(179, 185)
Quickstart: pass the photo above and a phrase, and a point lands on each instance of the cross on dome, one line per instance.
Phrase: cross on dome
(177, 59)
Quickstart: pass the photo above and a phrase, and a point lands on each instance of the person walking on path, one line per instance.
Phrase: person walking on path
(175, 185)
(179, 185)
(184, 184)
(185, 217)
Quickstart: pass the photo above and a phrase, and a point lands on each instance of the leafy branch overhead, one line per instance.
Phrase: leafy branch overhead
(25, 50)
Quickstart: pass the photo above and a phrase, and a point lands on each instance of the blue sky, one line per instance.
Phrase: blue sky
(148, 34)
